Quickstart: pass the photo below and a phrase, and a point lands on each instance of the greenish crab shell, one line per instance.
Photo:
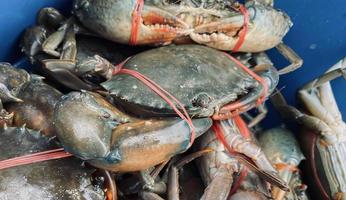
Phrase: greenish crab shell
(57, 179)
(201, 78)
(280, 146)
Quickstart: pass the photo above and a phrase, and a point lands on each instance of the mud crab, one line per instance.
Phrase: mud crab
(63, 179)
(284, 153)
(213, 23)
(201, 78)
(27, 100)
(324, 133)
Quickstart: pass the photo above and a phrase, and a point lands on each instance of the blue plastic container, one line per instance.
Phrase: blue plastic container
(318, 36)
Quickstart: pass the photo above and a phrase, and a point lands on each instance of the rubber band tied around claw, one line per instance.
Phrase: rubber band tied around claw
(243, 32)
(166, 96)
(136, 20)
(236, 108)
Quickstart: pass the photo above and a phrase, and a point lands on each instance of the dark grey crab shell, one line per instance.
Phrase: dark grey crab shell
(201, 78)
(55, 179)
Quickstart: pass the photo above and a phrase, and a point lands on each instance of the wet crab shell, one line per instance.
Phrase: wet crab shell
(201, 78)
(57, 179)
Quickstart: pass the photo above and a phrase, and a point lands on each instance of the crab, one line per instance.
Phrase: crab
(68, 58)
(50, 179)
(213, 23)
(201, 78)
(283, 151)
(324, 133)
(27, 100)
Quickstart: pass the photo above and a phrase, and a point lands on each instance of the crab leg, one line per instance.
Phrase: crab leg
(69, 49)
(292, 113)
(325, 107)
(262, 114)
(54, 40)
(220, 185)
(242, 145)
(291, 56)
(65, 67)
(326, 94)
(173, 180)
(150, 183)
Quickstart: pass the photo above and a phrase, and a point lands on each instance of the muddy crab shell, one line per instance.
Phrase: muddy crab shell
(201, 78)
(57, 179)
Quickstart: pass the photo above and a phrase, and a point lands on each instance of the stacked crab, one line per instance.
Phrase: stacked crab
(132, 111)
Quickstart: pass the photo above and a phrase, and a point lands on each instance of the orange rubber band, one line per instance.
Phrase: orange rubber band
(136, 19)
(243, 32)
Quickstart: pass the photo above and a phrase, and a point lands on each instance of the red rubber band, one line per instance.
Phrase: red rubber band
(166, 96)
(243, 32)
(34, 158)
(136, 19)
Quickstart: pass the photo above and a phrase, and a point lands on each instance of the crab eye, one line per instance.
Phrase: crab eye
(105, 115)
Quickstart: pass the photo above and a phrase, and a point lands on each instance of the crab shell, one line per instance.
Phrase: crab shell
(94, 130)
(280, 146)
(36, 110)
(201, 78)
(56, 179)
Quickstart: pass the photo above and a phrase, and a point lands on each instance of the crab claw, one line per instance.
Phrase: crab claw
(159, 26)
(94, 130)
(6, 95)
(266, 29)
(114, 21)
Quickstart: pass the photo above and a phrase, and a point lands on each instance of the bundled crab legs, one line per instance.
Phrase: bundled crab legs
(324, 136)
